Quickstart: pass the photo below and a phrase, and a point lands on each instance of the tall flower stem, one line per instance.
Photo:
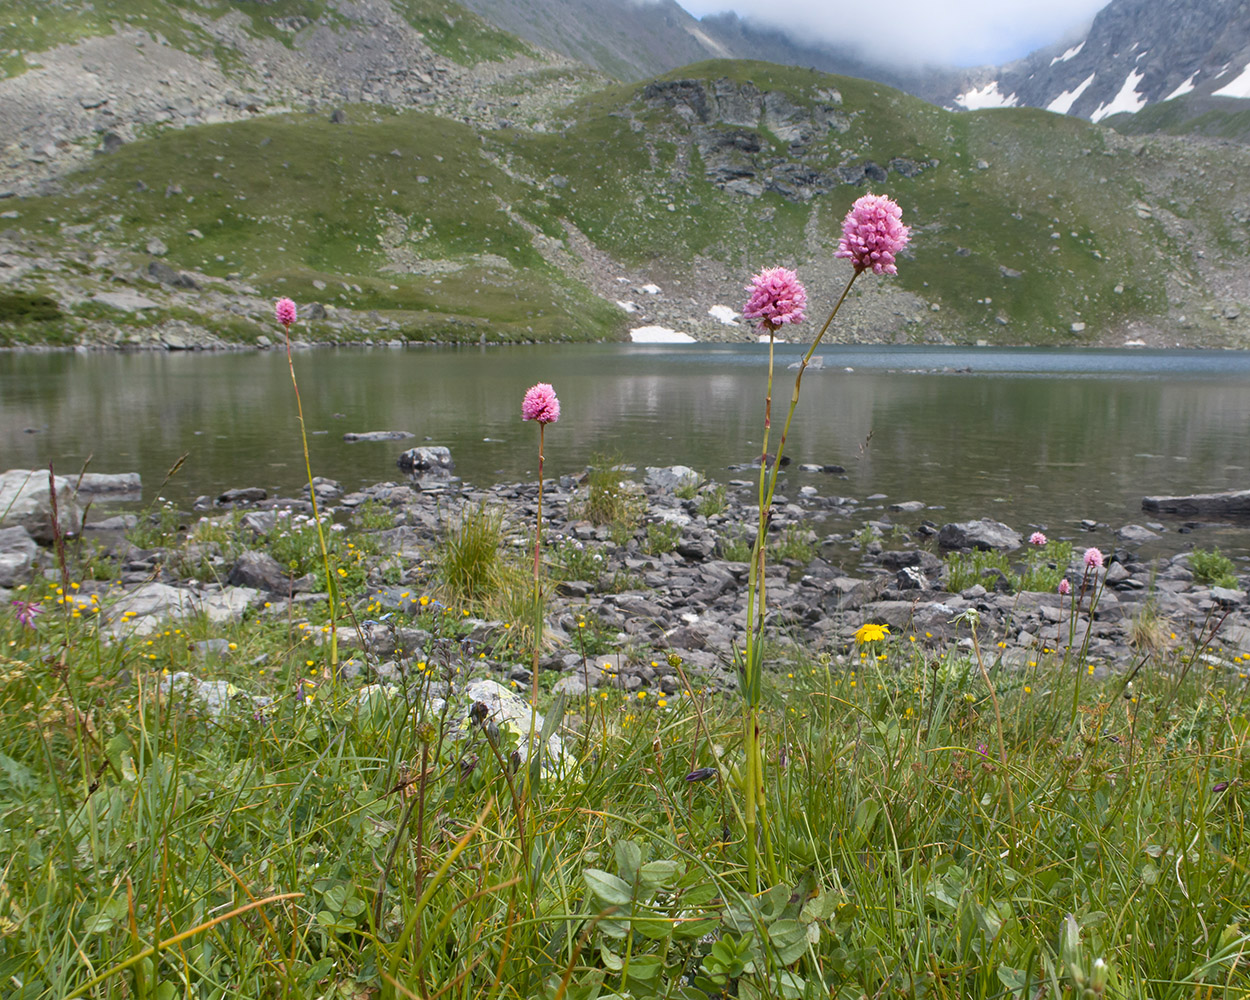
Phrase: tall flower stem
(538, 618)
(331, 586)
(541, 405)
(755, 815)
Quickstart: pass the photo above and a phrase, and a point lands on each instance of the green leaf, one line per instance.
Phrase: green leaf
(654, 928)
(689, 929)
(611, 961)
(335, 897)
(646, 968)
(822, 906)
(607, 889)
(655, 874)
(628, 860)
(789, 939)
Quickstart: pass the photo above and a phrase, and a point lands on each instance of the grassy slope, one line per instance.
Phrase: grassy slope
(290, 200)
(1204, 116)
(1043, 169)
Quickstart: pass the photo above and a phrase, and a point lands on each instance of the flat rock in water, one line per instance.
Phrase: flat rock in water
(429, 460)
(377, 435)
(249, 494)
(116, 486)
(1235, 503)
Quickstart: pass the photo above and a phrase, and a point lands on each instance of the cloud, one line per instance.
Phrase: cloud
(966, 33)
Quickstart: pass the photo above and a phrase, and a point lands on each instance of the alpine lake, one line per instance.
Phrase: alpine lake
(1033, 437)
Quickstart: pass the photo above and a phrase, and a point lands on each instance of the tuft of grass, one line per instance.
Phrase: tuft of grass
(712, 501)
(610, 499)
(468, 557)
(661, 537)
(1213, 567)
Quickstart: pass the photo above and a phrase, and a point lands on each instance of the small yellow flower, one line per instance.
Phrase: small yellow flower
(870, 632)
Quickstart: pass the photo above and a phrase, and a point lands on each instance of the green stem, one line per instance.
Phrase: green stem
(332, 589)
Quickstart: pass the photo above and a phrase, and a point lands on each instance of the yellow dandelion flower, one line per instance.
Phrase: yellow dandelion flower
(870, 632)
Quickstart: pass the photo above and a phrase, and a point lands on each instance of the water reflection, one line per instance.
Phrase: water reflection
(1033, 436)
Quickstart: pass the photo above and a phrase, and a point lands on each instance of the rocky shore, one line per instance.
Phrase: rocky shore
(661, 595)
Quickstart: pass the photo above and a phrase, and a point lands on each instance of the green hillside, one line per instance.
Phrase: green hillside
(1028, 227)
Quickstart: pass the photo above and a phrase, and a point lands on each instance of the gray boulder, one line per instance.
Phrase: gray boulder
(17, 556)
(981, 534)
(668, 478)
(261, 571)
(25, 500)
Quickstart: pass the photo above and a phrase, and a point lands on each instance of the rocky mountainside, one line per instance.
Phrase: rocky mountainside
(414, 172)
(78, 78)
(1136, 53)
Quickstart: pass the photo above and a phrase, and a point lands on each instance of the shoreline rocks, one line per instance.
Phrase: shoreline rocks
(665, 595)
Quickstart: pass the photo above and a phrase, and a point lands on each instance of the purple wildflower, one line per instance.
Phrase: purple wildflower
(26, 611)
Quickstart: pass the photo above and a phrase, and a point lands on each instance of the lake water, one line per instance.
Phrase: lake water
(1029, 436)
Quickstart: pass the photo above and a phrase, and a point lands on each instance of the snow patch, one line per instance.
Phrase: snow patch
(723, 314)
(1128, 99)
(659, 335)
(1062, 104)
(1183, 89)
(627, 306)
(1072, 53)
(650, 289)
(988, 96)
(1239, 87)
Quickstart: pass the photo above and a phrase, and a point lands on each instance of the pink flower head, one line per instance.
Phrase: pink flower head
(872, 233)
(540, 404)
(1093, 559)
(1065, 588)
(1037, 538)
(285, 311)
(777, 297)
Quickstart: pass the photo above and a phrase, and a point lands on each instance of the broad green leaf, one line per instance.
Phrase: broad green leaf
(646, 968)
(789, 939)
(655, 874)
(611, 960)
(607, 889)
(628, 860)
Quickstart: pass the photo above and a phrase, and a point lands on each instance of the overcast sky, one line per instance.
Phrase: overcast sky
(944, 32)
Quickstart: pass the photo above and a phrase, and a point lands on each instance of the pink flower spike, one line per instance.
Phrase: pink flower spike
(1065, 588)
(1093, 559)
(1037, 538)
(777, 297)
(285, 311)
(541, 404)
(872, 233)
